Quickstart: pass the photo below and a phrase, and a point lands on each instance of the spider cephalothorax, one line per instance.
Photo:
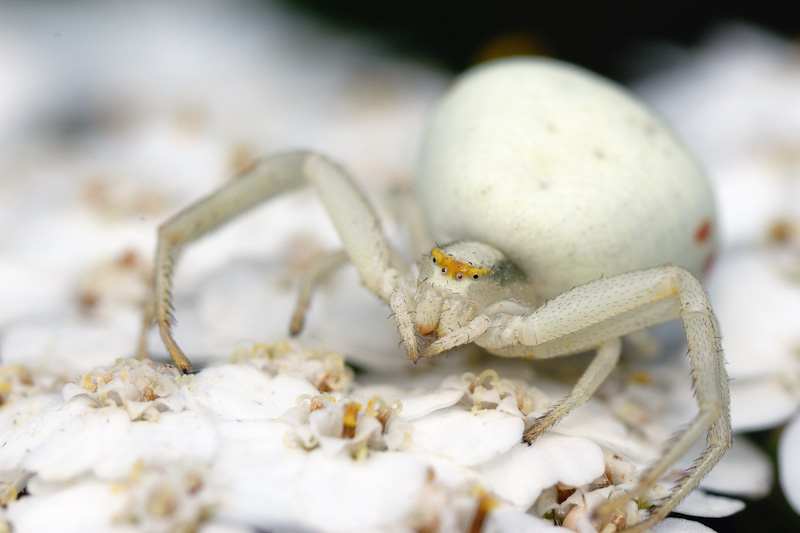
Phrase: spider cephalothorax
(458, 280)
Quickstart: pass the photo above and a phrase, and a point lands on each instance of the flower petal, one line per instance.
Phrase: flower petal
(242, 392)
(699, 503)
(789, 464)
(680, 525)
(465, 437)
(522, 473)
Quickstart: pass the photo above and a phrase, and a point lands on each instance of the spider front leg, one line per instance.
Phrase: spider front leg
(322, 267)
(401, 307)
(459, 337)
(315, 274)
(601, 366)
(351, 214)
(596, 373)
(597, 314)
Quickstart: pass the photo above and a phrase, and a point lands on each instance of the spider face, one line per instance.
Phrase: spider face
(459, 267)
(454, 282)
(455, 269)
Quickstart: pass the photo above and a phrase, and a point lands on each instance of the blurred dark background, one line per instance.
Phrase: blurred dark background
(603, 36)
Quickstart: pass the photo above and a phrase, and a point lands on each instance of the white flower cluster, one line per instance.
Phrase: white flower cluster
(262, 438)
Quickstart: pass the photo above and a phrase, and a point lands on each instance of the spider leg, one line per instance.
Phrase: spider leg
(601, 366)
(352, 216)
(401, 307)
(591, 315)
(148, 316)
(464, 335)
(315, 274)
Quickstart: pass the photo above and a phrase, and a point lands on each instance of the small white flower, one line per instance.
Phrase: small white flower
(789, 464)
(139, 387)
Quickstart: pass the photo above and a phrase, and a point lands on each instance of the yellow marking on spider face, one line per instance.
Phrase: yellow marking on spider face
(454, 268)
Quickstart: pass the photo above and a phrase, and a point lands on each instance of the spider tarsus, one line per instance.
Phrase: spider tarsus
(296, 327)
(530, 435)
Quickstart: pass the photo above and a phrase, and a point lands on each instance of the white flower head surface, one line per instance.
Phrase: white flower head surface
(235, 427)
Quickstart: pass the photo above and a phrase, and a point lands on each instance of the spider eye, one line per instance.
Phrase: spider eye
(434, 259)
(444, 269)
(460, 275)
(474, 276)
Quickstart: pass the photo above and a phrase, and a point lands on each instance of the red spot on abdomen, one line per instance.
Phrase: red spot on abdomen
(703, 232)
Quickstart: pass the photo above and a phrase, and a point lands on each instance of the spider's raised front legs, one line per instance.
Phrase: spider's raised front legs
(596, 315)
(352, 216)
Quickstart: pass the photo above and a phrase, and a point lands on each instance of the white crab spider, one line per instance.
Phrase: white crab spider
(567, 204)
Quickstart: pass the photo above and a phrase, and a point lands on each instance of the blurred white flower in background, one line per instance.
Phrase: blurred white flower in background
(117, 116)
